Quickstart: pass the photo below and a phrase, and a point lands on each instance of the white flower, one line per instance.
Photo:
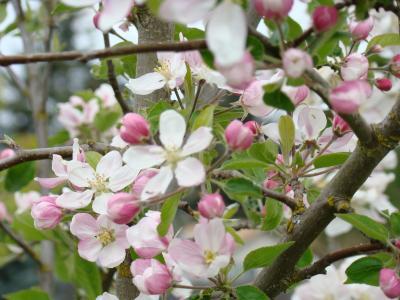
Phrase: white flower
(187, 170)
(171, 74)
(24, 201)
(110, 176)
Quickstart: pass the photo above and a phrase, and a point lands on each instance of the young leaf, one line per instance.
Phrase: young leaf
(264, 256)
(168, 212)
(265, 152)
(32, 293)
(306, 259)
(249, 292)
(395, 223)
(93, 158)
(19, 176)
(364, 270)
(279, 100)
(243, 187)
(287, 134)
(385, 40)
(273, 214)
(205, 118)
(331, 159)
(366, 225)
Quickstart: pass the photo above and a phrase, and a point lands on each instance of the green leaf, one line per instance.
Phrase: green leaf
(61, 8)
(265, 256)
(30, 294)
(395, 223)
(106, 119)
(279, 100)
(19, 176)
(190, 33)
(205, 118)
(168, 212)
(306, 259)
(256, 48)
(265, 152)
(385, 40)
(243, 187)
(231, 210)
(249, 292)
(87, 276)
(366, 225)
(287, 135)
(364, 270)
(59, 138)
(294, 29)
(23, 224)
(331, 160)
(93, 158)
(235, 235)
(243, 163)
(273, 215)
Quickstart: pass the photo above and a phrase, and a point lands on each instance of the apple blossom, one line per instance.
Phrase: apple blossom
(186, 11)
(144, 237)
(384, 84)
(100, 239)
(325, 18)
(395, 65)
(141, 180)
(296, 62)
(174, 155)
(253, 126)
(25, 201)
(150, 276)
(6, 153)
(389, 282)
(113, 11)
(135, 129)
(170, 74)
(296, 93)
(106, 94)
(252, 100)
(340, 126)
(355, 67)
(122, 207)
(46, 213)
(110, 176)
(210, 251)
(275, 10)
(238, 136)
(211, 206)
(4, 215)
(376, 49)
(241, 74)
(348, 96)
(361, 30)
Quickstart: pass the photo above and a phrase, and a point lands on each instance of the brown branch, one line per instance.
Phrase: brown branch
(113, 80)
(27, 249)
(6, 60)
(47, 153)
(319, 266)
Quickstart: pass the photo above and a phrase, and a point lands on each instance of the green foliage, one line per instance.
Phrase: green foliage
(93, 158)
(205, 118)
(19, 176)
(29, 294)
(265, 152)
(256, 47)
(242, 187)
(395, 223)
(273, 215)
(231, 210)
(265, 256)
(168, 212)
(385, 40)
(287, 135)
(364, 270)
(279, 100)
(249, 292)
(106, 119)
(306, 259)
(59, 138)
(331, 160)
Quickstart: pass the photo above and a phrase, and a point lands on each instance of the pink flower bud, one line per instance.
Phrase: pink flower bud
(355, 67)
(253, 126)
(324, 18)
(141, 181)
(211, 206)
(275, 10)
(389, 282)
(296, 62)
(384, 84)
(238, 136)
(297, 94)
(361, 30)
(395, 65)
(348, 96)
(271, 184)
(4, 215)
(135, 129)
(122, 207)
(252, 100)
(46, 213)
(376, 49)
(96, 20)
(397, 244)
(340, 126)
(241, 74)
(150, 276)
(6, 153)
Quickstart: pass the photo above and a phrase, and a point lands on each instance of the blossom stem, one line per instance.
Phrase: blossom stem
(323, 150)
(178, 98)
(181, 286)
(196, 99)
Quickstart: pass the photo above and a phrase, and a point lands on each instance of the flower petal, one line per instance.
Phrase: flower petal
(84, 226)
(58, 166)
(210, 235)
(198, 141)
(100, 202)
(50, 183)
(185, 11)
(74, 200)
(227, 33)
(80, 3)
(188, 255)
(172, 129)
(109, 163)
(146, 84)
(144, 157)
(111, 255)
(310, 120)
(121, 178)
(80, 174)
(113, 13)
(158, 184)
(89, 249)
(271, 130)
(190, 172)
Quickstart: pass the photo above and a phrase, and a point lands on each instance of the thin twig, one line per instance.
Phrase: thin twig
(196, 99)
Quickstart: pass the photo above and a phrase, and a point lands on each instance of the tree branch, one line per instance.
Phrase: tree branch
(6, 60)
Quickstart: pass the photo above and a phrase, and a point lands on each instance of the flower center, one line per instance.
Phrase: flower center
(106, 237)
(99, 184)
(163, 69)
(209, 256)
(172, 156)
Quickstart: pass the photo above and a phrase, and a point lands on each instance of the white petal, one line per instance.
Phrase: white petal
(158, 184)
(227, 33)
(80, 174)
(190, 172)
(109, 163)
(100, 203)
(172, 129)
(118, 142)
(146, 84)
(198, 141)
(218, 263)
(121, 178)
(58, 166)
(185, 11)
(271, 130)
(113, 12)
(80, 3)
(144, 157)
(311, 121)
(111, 255)
(74, 200)
(337, 227)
